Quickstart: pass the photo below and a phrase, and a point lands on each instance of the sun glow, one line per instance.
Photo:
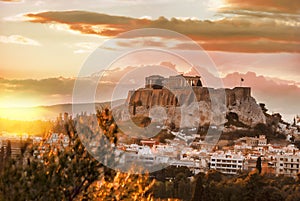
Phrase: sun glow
(25, 114)
(216, 4)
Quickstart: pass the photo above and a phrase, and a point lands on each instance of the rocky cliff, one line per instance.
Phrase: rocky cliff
(192, 107)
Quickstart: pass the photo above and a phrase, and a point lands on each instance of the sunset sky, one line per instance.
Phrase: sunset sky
(44, 43)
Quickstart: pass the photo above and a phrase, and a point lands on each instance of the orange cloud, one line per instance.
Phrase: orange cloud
(229, 34)
(291, 6)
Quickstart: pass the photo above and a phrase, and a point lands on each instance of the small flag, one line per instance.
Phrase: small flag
(242, 80)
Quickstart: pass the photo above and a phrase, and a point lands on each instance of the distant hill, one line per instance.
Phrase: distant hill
(46, 112)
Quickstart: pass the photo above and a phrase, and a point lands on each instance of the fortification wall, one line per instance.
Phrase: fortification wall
(164, 97)
(183, 105)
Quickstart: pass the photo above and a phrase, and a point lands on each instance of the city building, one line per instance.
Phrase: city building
(288, 165)
(255, 141)
(227, 163)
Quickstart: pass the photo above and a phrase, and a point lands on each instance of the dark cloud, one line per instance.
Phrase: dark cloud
(229, 34)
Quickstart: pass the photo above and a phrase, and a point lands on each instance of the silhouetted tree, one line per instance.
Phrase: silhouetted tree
(8, 150)
(258, 164)
(199, 188)
(1, 157)
(263, 107)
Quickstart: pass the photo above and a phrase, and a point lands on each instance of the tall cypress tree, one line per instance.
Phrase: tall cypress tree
(8, 150)
(258, 164)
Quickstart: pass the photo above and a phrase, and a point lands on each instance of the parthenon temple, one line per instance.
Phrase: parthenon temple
(172, 82)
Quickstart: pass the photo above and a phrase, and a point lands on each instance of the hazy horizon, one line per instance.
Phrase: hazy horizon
(44, 45)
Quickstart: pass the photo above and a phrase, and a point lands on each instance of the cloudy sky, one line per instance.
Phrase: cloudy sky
(44, 44)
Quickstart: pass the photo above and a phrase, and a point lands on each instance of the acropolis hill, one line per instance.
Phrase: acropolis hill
(187, 103)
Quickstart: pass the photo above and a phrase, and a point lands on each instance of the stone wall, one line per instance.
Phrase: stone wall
(164, 97)
(193, 105)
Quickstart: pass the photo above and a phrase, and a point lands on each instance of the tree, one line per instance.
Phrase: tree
(124, 186)
(107, 124)
(199, 188)
(8, 150)
(270, 193)
(1, 157)
(263, 107)
(57, 175)
(258, 164)
(71, 173)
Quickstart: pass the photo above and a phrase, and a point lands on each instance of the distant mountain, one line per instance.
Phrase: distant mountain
(48, 112)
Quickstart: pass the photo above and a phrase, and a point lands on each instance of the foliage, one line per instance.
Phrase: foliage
(124, 186)
(56, 175)
(246, 187)
(258, 165)
(173, 182)
(53, 172)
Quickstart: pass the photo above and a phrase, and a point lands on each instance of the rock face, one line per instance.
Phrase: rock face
(193, 106)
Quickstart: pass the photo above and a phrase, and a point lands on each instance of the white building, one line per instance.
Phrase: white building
(135, 154)
(288, 165)
(256, 141)
(227, 163)
(276, 149)
(262, 140)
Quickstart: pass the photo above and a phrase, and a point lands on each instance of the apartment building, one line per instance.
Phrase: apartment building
(227, 163)
(288, 165)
